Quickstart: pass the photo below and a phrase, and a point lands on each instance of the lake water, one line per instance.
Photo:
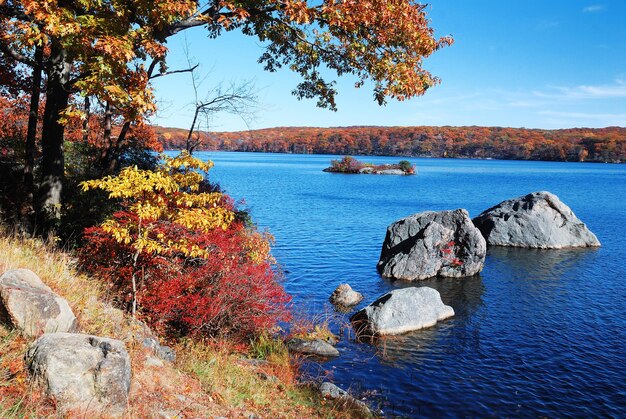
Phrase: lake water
(537, 333)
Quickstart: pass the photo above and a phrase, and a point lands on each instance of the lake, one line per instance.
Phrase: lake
(537, 333)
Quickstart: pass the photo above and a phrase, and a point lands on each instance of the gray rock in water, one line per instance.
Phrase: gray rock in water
(345, 296)
(428, 244)
(312, 347)
(82, 373)
(537, 220)
(29, 305)
(400, 311)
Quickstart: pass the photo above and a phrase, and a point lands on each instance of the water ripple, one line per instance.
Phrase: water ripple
(537, 333)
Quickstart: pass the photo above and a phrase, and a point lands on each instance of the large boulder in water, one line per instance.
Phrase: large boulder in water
(423, 245)
(30, 306)
(537, 220)
(82, 373)
(400, 311)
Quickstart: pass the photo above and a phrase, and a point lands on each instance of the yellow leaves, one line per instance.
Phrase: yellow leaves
(204, 219)
(185, 161)
(115, 90)
(168, 194)
(119, 233)
(71, 112)
(257, 246)
(133, 183)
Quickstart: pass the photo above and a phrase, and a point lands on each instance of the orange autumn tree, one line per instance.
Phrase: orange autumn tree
(112, 49)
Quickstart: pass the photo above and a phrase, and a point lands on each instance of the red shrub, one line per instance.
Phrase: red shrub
(229, 293)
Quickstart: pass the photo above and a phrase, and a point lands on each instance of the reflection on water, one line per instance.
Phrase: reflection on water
(464, 295)
(540, 264)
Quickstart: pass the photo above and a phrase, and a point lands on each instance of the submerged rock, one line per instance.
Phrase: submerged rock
(400, 311)
(30, 306)
(344, 296)
(82, 373)
(537, 220)
(312, 347)
(427, 244)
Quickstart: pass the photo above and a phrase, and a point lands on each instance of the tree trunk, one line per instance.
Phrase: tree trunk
(31, 146)
(188, 145)
(113, 152)
(87, 110)
(52, 163)
(106, 136)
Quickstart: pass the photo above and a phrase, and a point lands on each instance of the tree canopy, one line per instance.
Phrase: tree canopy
(114, 46)
(107, 51)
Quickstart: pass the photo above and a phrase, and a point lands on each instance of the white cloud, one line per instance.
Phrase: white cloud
(594, 8)
(603, 91)
(585, 115)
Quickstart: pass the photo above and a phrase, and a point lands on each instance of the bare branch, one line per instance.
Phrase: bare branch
(153, 64)
(186, 70)
(235, 99)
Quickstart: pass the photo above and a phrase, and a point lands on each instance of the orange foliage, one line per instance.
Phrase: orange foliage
(575, 144)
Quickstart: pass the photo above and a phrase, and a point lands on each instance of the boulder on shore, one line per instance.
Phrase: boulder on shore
(330, 391)
(537, 220)
(312, 347)
(82, 373)
(344, 296)
(430, 243)
(400, 311)
(30, 306)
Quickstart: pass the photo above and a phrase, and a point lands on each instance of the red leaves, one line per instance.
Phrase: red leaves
(447, 252)
(230, 293)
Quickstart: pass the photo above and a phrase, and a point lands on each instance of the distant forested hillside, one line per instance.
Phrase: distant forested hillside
(578, 144)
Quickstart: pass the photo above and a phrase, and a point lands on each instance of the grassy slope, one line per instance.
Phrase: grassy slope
(205, 381)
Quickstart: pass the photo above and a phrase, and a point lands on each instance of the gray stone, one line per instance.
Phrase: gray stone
(82, 373)
(164, 352)
(537, 220)
(400, 311)
(390, 172)
(345, 296)
(330, 391)
(29, 305)
(312, 347)
(429, 244)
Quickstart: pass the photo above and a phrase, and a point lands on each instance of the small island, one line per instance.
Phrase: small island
(353, 166)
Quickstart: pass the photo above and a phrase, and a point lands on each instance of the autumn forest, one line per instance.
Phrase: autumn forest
(577, 144)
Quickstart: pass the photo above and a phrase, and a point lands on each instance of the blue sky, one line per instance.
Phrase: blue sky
(533, 63)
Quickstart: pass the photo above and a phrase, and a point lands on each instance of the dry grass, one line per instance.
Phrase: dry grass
(318, 327)
(207, 380)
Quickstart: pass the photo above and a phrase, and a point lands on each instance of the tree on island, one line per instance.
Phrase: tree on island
(349, 164)
(105, 52)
